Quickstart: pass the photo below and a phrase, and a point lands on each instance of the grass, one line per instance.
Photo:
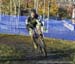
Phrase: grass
(19, 47)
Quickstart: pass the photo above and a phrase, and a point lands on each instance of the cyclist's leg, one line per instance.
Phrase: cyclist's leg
(42, 43)
(40, 30)
(31, 32)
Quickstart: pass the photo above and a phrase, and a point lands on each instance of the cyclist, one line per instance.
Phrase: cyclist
(32, 23)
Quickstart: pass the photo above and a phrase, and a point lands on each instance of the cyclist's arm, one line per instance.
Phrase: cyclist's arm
(27, 24)
(39, 23)
(28, 19)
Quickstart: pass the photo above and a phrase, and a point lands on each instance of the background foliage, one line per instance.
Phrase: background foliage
(6, 6)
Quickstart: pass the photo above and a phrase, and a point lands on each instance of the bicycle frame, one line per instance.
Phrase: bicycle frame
(38, 39)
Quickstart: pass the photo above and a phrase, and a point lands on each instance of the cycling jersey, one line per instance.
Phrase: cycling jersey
(33, 22)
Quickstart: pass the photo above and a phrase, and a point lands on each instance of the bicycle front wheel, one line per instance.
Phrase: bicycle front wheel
(42, 47)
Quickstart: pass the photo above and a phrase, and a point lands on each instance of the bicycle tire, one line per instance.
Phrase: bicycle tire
(43, 48)
(40, 45)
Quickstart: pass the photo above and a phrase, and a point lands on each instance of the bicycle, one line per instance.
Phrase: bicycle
(39, 41)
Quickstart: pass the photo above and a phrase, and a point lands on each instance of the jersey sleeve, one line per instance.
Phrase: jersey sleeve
(27, 24)
(39, 22)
